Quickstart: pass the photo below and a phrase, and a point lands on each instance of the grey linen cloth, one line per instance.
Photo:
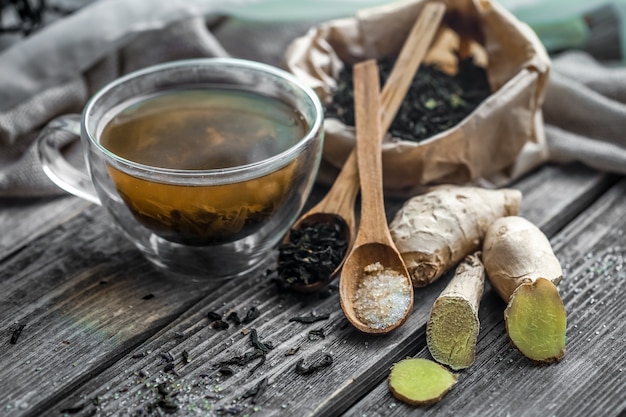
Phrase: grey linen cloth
(585, 113)
(56, 70)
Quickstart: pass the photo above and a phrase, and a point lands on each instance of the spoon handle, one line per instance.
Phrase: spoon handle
(368, 148)
(341, 197)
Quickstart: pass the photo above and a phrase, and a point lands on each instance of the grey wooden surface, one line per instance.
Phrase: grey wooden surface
(100, 321)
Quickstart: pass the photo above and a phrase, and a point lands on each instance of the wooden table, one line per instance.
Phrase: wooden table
(106, 334)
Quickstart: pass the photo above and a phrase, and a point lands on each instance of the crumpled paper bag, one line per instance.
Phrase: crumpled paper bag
(502, 139)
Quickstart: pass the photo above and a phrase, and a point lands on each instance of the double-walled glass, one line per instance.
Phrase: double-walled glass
(212, 223)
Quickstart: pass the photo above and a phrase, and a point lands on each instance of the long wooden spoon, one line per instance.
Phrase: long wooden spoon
(375, 289)
(337, 207)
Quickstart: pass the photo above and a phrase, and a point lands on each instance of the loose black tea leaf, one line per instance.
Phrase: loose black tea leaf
(234, 317)
(148, 296)
(167, 356)
(16, 333)
(232, 410)
(219, 325)
(243, 359)
(74, 409)
(252, 314)
(213, 316)
(185, 355)
(292, 351)
(310, 319)
(170, 367)
(256, 391)
(302, 369)
(255, 343)
(435, 101)
(258, 365)
(313, 252)
(226, 371)
(168, 405)
(138, 355)
(317, 334)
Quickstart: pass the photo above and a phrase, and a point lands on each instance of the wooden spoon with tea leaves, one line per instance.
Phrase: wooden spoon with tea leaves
(335, 212)
(375, 289)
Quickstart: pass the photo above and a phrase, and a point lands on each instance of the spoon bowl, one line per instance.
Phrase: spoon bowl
(336, 208)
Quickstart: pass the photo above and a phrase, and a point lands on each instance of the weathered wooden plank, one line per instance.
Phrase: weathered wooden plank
(360, 361)
(24, 220)
(591, 379)
(545, 192)
(86, 296)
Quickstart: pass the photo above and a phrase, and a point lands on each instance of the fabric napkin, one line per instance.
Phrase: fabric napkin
(585, 112)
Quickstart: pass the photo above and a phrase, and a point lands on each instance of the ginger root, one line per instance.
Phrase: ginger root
(435, 231)
(419, 381)
(452, 329)
(522, 267)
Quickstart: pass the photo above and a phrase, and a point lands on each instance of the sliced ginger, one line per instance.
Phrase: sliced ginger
(419, 381)
(453, 326)
(536, 321)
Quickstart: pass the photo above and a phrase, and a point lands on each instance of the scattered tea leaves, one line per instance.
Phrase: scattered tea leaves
(292, 351)
(234, 317)
(257, 344)
(16, 333)
(303, 369)
(256, 391)
(244, 359)
(317, 334)
(226, 371)
(252, 314)
(232, 410)
(219, 325)
(167, 356)
(213, 316)
(310, 319)
(74, 409)
(171, 368)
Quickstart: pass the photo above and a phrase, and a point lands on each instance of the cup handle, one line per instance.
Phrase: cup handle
(54, 164)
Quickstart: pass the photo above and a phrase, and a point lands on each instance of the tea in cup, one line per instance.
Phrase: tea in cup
(204, 164)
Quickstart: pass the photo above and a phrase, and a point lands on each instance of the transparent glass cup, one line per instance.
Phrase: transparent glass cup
(216, 223)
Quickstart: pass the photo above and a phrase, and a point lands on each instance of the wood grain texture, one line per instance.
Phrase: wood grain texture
(361, 362)
(590, 380)
(24, 220)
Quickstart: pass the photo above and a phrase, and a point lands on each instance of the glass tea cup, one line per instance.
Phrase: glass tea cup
(212, 222)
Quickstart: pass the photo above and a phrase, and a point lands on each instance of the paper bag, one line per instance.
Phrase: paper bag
(500, 140)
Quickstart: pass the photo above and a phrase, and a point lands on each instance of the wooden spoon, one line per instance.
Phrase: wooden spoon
(337, 207)
(373, 308)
